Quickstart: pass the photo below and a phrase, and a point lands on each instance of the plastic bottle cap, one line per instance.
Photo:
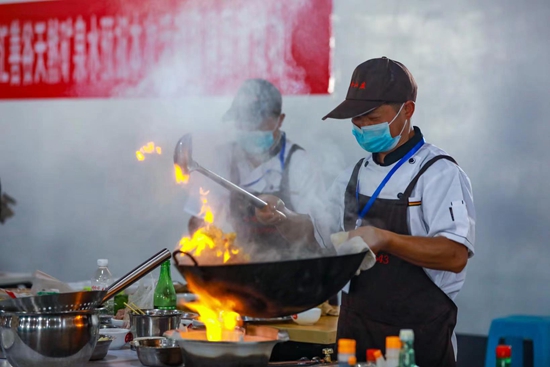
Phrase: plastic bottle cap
(371, 357)
(393, 342)
(377, 354)
(102, 262)
(406, 334)
(504, 351)
(346, 346)
(352, 361)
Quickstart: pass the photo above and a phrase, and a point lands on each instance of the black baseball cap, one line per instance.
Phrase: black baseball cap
(373, 83)
(256, 99)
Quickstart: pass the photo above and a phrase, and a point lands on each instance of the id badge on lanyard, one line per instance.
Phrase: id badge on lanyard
(362, 213)
(369, 204)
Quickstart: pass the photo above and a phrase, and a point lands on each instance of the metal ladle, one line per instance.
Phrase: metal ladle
(183, 158)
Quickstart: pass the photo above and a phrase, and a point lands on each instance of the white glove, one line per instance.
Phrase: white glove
(344, 246)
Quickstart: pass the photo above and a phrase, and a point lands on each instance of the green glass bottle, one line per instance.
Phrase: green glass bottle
(406, 354)
(504, 356)
(165, 294)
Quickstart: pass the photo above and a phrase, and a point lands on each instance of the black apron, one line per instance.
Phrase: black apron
(395, 294)
(243, 216)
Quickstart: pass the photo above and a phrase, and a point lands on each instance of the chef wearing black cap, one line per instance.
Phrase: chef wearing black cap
(262, 160)
(412, 204)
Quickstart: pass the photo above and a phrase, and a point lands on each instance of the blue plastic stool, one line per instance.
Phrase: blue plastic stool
(514, 330)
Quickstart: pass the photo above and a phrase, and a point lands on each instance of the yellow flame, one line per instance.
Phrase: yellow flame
(218, 316)
(180, 176)
(150, 148)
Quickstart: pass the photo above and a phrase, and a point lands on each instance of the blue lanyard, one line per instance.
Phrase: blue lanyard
(369, 204)
(281, 159)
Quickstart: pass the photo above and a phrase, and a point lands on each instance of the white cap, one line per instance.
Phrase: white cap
(406, 334)
(102, 262)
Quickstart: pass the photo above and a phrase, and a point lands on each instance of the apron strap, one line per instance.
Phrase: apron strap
(412, 184)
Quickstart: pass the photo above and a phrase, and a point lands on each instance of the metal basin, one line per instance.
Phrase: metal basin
(158, 352)
(254, 350)
(63, 339)
(157, 322)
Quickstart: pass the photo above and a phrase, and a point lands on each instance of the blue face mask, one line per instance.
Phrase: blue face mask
(377, 138)
(255, 142)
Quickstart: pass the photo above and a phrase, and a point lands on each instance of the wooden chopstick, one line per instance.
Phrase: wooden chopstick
(138, 310)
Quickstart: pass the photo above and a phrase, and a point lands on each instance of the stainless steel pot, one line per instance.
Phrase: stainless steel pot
(63, 339)
(157, 322)
(158, 352)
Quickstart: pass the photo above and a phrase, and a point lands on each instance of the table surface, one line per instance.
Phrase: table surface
(322, 332)
(116, 358)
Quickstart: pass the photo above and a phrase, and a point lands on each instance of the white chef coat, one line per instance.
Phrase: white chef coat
(442, 197)
(306, 186)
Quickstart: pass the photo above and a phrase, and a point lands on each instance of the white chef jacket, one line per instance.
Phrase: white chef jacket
(306, 186)
(442, 197)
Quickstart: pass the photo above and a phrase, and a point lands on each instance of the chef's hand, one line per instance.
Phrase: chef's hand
(376, 238)
(5, 210)
(268, 215)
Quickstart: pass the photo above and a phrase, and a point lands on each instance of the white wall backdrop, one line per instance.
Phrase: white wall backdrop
(484, 82)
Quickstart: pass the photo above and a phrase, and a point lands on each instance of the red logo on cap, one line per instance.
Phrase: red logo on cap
(362, 86)
(356, 85)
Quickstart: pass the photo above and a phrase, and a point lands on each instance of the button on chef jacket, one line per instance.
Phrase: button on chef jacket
(305, 184)
(441, 203)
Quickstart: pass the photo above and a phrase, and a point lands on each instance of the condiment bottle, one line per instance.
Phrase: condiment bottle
(406, 355)
(380, 361)
(504, 356)
(346, 349)
(393, 346)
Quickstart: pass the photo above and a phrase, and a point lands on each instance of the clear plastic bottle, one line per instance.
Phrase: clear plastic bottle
(393, 346)
(380, 361)
(101, 280)
(406, 355)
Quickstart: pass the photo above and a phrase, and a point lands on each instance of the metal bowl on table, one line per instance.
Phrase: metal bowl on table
(157, 322)
(101, 348)
(158, 352)
(63, 339)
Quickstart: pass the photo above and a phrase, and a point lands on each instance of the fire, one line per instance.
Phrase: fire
(149, 148)
(220, 320)
(211, 244)
(180, 176)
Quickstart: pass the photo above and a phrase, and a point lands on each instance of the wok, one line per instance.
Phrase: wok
(273, 289)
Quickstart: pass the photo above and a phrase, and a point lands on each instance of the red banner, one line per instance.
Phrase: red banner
(127, 48)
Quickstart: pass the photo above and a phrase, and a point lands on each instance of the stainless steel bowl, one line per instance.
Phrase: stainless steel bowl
(63, 339)
(157, 322)
(158, 352)
(101, 348)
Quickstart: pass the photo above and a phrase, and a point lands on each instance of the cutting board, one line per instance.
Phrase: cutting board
(322, 332)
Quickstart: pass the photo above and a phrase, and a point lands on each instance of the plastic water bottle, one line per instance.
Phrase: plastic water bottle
(101, 280)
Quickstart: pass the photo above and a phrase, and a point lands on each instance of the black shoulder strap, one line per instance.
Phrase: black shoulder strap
(351, 205)
(412, 184)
